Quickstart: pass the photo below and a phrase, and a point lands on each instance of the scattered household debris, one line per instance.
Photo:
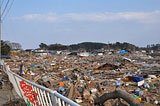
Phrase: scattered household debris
(91, 79)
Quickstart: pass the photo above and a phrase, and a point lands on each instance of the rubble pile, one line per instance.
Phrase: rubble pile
(15, 102)
(86, 78)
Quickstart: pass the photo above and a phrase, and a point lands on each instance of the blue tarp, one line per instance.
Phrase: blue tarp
(65, 78)
(137, 79)
(35, 65)
(117, 83)
(89, 73)
(123, 51)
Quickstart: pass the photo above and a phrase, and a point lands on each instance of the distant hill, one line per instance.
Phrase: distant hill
(88, 46)
(57, 47)
(125, 45)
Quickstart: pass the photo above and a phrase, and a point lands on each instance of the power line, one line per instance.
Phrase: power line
(5, 8)
(8, 11)
(2, 3)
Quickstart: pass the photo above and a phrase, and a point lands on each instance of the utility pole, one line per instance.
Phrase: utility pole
(0, 30)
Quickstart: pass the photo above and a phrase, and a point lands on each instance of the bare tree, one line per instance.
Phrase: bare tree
(14, 45)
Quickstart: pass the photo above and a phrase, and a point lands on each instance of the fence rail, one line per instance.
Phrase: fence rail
(34, 94)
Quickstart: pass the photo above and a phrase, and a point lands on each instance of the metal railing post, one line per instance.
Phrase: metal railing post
(53, 99)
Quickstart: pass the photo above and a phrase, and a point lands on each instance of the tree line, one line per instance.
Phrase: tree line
(154, 47)
(88, 46)
(7, 46)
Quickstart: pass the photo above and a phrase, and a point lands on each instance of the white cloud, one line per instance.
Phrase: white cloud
(145, 17)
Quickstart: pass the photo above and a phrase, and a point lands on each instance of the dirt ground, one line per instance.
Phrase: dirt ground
(7, 92)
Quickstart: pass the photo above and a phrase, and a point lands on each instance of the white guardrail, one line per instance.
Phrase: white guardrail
(34, 94)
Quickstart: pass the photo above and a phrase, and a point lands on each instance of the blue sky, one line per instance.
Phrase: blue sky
(31, 22)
